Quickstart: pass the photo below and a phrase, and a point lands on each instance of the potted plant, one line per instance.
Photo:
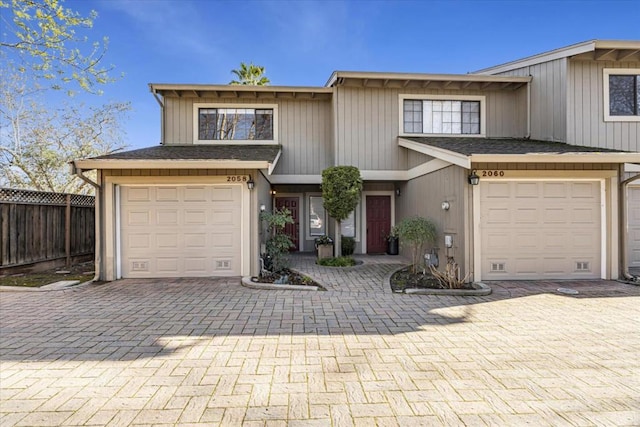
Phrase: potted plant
(324, 246)
(392, 242)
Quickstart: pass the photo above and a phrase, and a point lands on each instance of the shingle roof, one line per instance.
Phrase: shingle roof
(470, 146)
(199, 152)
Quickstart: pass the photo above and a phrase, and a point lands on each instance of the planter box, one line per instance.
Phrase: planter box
(325, 251)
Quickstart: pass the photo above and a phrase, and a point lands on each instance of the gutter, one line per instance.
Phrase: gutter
(623, 226)
(98, 218)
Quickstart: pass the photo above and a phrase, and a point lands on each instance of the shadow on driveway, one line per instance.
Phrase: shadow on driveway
(133, 319)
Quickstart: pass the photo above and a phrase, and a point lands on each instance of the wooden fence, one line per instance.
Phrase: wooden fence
(36, 227)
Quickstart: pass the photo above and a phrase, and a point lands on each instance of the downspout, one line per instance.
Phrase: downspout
(623, 226)
(161, 104)
(528, 135)
(98, 229)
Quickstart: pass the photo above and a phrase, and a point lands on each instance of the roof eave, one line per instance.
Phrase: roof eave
(575, 157)
(88, 164)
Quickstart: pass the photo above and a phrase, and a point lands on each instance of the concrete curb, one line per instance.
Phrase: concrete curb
(481, 290)
(248, 283)
(63, 285)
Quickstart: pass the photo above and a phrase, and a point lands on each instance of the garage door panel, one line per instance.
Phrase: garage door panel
(138, 217)
(526, 216)
(195, 217)
(525, 190)
(139, 195)
(553, 190)
(168, 236)
(195, 241)
(554, 215)
(222, 194)
(536, 228)
(167, 194)
(167, 217)
(585, 191)
(195, 194)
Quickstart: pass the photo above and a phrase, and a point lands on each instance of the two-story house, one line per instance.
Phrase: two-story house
(521, 166)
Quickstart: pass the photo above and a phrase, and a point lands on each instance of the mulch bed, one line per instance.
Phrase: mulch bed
(404, 279)
(82, 272)
(294, 278)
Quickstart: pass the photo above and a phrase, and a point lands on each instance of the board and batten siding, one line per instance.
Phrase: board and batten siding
(367, 123)
(585, 118)
(424, 195)
(548, 99)
(304, 129)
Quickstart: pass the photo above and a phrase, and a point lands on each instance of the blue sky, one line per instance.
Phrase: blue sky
(302, 42)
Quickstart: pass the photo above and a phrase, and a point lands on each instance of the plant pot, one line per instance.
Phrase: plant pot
(392, 246)
(325, 251)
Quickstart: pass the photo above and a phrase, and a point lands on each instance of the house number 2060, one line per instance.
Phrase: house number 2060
(492, 173)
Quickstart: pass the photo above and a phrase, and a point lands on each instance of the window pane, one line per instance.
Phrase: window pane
(348, 226)
(235, 124)
(621, 95)
(317, 217)
(412, 117)
(207, 118)
(264, 125)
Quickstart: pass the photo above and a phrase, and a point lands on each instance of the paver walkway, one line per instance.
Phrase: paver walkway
(210, 352)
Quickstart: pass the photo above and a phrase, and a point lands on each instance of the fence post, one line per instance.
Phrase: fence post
(67, 231)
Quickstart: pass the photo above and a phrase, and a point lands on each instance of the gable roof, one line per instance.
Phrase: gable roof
(188, 156)
(609, 50)
(462, 151)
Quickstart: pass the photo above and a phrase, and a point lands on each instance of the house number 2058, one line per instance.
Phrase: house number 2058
(492, 173)
(236, 178)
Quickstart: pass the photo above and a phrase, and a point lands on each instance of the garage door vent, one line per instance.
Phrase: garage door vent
(497, 266)
(223, 265)
(582, 266)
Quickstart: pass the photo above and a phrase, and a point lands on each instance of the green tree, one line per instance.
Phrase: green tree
(46, 37)
(416, 232)
(251, 75)
(341, 190)
(37, 143)
(278, 243)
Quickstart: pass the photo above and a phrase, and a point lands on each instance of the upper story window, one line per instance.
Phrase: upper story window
(622, 94)
(234, 124)
(442, 115)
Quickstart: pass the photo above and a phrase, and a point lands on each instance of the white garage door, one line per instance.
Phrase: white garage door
(633, 218)
(540, 230)
(180, 231)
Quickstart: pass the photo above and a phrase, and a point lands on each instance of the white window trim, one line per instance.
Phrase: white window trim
(196, 129)
(427, 97)
(606, 72)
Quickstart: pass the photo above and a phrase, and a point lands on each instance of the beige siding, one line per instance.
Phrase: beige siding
(367, 123)
(304, 128)
(585, 118)
(548, 99)
(423, 197)
(545, 166)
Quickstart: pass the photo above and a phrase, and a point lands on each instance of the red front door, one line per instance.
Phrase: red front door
(292, 230)
(378, 223)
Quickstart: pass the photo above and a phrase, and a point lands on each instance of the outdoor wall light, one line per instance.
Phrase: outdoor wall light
(272, 192)
(445, 206)
(473, 178)
(250, 183)
(398, 192)
(263, 208)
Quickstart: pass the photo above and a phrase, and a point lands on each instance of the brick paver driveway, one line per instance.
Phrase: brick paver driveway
(209, 351)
